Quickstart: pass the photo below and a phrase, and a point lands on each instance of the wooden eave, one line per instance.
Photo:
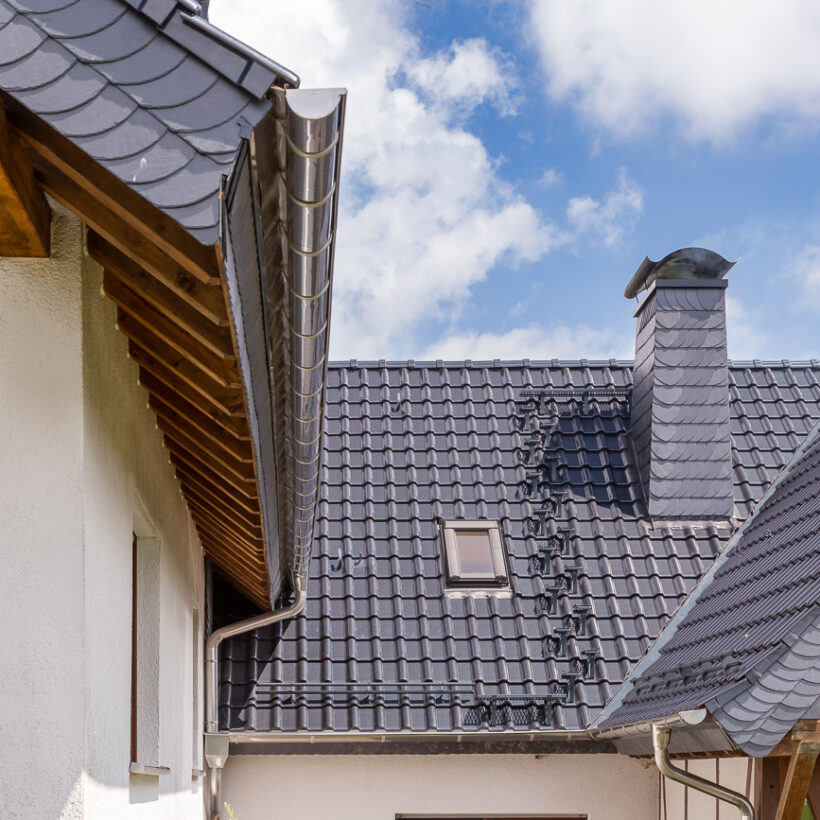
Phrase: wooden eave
(170, 293)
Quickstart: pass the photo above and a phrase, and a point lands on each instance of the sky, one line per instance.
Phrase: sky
(508, 164)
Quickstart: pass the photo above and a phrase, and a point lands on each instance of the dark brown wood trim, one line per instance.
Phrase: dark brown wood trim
(25, 217)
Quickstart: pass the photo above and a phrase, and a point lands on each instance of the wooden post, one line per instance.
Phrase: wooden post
(814, 793)
(796, 783)
(25, 217)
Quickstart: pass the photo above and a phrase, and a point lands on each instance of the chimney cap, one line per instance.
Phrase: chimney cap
(685, 263)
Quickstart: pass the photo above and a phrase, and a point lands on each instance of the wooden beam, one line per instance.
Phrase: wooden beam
(218, 504)
(769, 775)
(180, 377)
(220, 513)
(208, 299)
(193, 475)
(796, 783)
(255, 589)
(177, 303)
(814, 793)
(25, 218)
(194, 464)
(236, 476)
(114, 195)
(198, 424)
(148, 328)
(181, 400)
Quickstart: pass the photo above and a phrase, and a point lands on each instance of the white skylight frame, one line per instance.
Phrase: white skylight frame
(455, 576)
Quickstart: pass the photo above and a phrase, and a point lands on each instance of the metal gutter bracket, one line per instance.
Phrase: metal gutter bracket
(660, 742)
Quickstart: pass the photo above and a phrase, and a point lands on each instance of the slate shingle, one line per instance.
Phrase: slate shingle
(408, 443)
(155, 100)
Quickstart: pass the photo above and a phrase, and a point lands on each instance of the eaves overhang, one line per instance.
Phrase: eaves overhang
(216, 242)
(278, 240)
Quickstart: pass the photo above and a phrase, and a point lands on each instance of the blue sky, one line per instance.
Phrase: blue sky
(508, 164)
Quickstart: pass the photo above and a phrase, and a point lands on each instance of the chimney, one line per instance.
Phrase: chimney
(680, 393)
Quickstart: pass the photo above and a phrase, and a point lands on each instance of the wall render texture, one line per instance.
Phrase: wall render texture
(84, 468)
(382, 787)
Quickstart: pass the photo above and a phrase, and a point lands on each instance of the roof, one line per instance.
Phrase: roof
(147, 88)
(195, 162)
(746, 642)
(407, 443)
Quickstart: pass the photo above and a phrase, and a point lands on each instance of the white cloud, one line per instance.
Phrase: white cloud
(716, 66)
(532, 342)
(611, 217)
(806, 269)
(469, 74)
(746, 337)
(550, 178)
(424, 213)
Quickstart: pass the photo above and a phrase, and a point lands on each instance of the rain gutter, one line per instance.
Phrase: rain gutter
(297, 176)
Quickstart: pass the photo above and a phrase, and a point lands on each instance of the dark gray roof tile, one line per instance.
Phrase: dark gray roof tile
(155, 60)
(76, 87)
(376, 609)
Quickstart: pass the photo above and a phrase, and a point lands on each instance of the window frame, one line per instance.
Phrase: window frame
(454, 577)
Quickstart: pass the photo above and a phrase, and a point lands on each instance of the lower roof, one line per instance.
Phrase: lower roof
(746, 643)
(406, 444)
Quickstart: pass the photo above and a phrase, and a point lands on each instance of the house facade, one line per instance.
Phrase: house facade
(242, 581)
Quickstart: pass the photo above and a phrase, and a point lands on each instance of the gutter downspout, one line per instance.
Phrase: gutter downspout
(216, 745)
(660, 743)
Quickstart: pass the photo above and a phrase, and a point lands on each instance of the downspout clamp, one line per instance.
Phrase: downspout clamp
(660, 743)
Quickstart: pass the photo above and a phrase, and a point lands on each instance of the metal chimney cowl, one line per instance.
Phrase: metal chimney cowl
(680, 397)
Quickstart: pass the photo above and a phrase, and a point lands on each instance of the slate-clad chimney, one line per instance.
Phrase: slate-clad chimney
(680, 395)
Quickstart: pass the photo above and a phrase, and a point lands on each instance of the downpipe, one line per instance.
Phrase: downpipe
(660, 743)
(216, 745)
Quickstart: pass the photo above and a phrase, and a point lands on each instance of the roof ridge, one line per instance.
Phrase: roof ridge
(165, 14)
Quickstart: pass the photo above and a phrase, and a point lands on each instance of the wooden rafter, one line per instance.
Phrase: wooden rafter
(113, 196)
(171, 305)
(25, 218)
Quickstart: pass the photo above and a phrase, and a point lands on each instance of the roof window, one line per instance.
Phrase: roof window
(474, 553)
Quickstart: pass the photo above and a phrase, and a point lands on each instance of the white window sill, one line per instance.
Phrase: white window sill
(145, 769)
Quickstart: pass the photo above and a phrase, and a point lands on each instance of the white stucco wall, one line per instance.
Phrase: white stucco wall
(380, 787)
(679, 802)
(83, 468)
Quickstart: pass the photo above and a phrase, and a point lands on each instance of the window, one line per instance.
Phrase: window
(474, 553)
(145, 661)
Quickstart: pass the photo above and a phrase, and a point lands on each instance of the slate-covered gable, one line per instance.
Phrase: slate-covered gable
(746, 644)
(407, 444)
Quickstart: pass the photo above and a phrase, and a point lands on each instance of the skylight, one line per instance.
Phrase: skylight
(474, 553)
